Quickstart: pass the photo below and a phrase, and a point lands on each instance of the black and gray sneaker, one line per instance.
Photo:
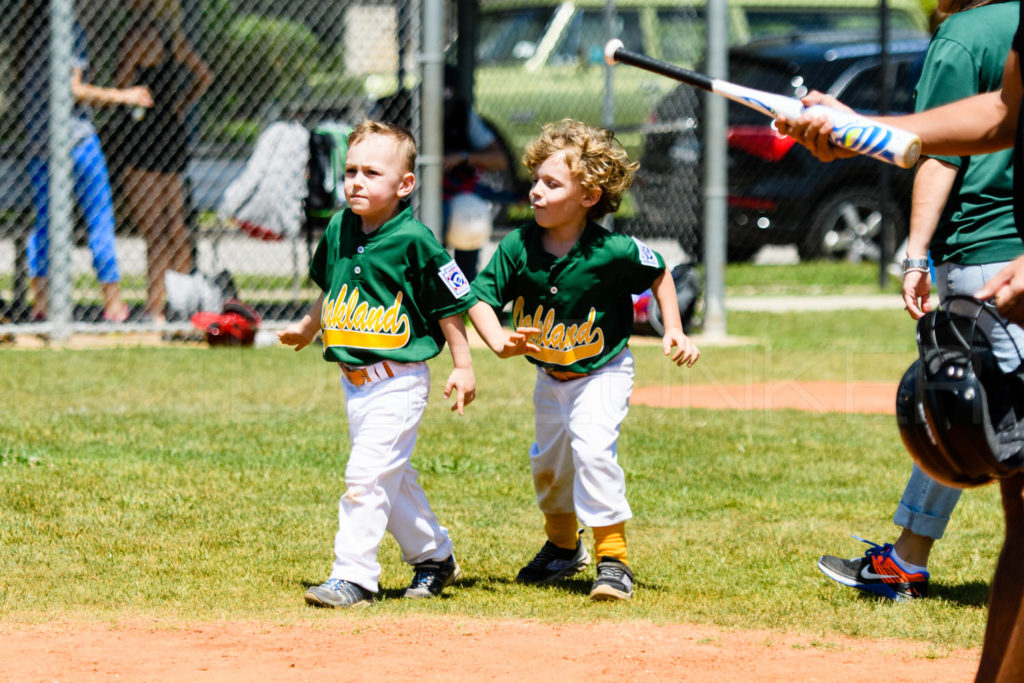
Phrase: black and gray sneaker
(876, 572)
(614, 581)
(432, 577)
(338, 593)
(553, 563)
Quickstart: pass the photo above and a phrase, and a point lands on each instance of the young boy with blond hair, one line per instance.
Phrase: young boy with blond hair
(570, 282)
(392, 298)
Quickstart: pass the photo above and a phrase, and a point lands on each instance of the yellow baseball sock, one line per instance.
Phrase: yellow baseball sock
(562, 529)
(610, 541)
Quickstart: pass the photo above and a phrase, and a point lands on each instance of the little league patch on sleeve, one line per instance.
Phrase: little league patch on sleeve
(454, 279)
(647, 255)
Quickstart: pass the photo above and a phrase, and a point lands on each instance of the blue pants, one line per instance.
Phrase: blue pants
(926, 504)
(92, 190)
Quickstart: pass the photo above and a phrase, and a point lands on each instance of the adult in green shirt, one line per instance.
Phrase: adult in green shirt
(962, 214)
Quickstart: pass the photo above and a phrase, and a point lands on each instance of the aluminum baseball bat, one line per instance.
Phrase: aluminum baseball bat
(849, 130)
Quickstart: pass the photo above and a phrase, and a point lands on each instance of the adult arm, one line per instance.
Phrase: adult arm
(975, 125)
(933, 183)
(202, 76)
(95, 95)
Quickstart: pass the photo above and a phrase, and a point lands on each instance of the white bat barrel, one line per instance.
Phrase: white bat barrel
(865, 136)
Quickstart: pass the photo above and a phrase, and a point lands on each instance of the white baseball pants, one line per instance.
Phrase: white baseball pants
(382, 492)
(575, 458)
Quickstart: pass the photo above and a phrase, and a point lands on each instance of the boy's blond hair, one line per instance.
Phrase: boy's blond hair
(403, 138)
(594, 157)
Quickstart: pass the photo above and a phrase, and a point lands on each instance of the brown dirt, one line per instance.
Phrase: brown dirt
(818, 397)
(348, 648)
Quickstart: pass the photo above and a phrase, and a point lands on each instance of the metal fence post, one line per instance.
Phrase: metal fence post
(61, 307)
(432, 113)
(715, 175)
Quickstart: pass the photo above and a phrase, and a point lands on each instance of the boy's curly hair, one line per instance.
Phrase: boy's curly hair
(595, 158)
(402, 137)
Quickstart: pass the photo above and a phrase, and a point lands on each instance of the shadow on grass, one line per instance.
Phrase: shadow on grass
(970, 594)
(575, 586)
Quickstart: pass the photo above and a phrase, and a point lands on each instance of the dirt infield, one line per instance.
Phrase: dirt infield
(818, 397)
(347, 648)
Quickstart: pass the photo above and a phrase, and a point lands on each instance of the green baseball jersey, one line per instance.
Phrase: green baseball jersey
(581, 302)
(965, 58)
(384, 292)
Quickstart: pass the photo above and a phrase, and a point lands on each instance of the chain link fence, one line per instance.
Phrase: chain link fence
(540, 60)
(207, 185)
(192, 129)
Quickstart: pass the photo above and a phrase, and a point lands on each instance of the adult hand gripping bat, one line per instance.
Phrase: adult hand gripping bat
(849, 130)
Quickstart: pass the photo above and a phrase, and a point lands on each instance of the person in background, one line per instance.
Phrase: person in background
(962, 213)
(89, 167)
(975, 125)
(470, 149)
(156, 53)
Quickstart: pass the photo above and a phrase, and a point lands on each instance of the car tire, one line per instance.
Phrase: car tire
(848, 226)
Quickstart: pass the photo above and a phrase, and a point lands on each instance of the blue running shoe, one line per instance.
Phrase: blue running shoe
(876, 572)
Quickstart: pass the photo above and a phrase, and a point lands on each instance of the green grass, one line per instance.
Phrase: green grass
(202, 484)
(810, 277)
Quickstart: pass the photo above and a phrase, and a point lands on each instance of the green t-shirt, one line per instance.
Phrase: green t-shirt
(384, 292)
(965, 58)
(581, 302)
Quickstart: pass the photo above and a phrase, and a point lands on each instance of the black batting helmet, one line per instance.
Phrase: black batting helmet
(959, 414)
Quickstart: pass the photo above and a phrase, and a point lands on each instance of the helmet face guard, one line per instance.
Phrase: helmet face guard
(959, 414)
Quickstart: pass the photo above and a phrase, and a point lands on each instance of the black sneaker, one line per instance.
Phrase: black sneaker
(338, 593)
(553, 563)
(876, 572)
(614, 581)
(432, 577)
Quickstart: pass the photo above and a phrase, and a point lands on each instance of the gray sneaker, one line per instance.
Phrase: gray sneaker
(614, 581)
(432, 577)
(338, 593)
(553, 563)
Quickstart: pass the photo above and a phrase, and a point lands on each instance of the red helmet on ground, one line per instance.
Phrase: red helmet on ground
(235, 326)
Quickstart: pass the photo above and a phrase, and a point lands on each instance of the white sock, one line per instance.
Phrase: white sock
(908, 567)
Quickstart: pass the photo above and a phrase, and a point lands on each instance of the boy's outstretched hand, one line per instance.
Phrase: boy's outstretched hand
(518, 343)
(296, 335)
(463, 383)
(686, 352)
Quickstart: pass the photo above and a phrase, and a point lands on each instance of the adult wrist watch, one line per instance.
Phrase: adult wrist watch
(919, 265)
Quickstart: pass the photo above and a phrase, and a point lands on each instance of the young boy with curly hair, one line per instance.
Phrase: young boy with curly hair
(570, 282)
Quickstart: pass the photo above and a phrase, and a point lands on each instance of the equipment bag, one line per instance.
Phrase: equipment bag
(328, 144)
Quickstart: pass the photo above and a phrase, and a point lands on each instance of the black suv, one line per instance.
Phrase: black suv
(778, 192)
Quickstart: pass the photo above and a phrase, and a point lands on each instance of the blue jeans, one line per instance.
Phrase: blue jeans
(92, 190)
(926, 505)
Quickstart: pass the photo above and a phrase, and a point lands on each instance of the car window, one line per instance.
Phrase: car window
(511, 35)
(584, 37)
(681, 35)
(767, 23)
(863, 89)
